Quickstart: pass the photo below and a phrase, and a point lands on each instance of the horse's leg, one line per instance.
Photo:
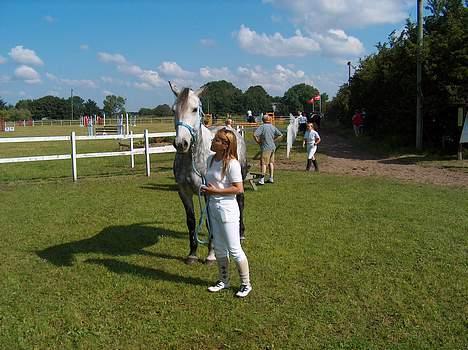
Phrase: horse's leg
(190, 216)
(240, 202)
(211, 258)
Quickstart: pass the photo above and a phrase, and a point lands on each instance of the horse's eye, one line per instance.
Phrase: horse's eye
(195, 110)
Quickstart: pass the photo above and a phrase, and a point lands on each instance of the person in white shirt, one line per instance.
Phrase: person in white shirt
(302, 119)
(223, 183)
(311, 139)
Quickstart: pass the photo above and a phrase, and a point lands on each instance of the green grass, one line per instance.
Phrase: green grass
(336, 263)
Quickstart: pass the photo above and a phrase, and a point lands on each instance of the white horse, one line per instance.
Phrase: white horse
(193, 142)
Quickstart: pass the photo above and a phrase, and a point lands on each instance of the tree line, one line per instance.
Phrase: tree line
(385, 83)
(220, 97)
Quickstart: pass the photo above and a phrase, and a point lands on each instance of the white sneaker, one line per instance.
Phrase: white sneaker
(244, 290)
(270, 180)
(220, 285)
(261, 181)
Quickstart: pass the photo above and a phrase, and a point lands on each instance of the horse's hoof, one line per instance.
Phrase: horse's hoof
(190, 260)
(210, 262)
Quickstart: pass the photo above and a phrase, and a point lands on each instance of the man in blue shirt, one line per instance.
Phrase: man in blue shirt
(266, 135)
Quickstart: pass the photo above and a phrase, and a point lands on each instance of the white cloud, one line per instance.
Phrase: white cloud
(143, 86)
(223, 73)
(276, 45)
(49, 19)
(27, 74)
(84, 47)
(107, 93)
(319, 15)
(337, 43)
(111, 58)
(172, 69)
(208, 42)
(25, 56)
(2, 59)
(86, 83)
(130, 69)
(152, 78)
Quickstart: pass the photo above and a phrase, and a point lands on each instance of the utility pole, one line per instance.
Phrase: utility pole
(419, 119)
(349, 73)
(72, 103)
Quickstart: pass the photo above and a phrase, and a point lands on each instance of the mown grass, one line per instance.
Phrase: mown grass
(336, 262)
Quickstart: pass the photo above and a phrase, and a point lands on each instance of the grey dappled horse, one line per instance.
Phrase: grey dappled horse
(193, 142)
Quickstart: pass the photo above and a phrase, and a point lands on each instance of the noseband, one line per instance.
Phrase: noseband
(191, 129)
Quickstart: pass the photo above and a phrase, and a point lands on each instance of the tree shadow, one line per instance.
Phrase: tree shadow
(405, 160)
(121, 267)
(113, 240)
(161, 187)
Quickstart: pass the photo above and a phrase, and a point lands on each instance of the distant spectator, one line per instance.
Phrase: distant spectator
(357, 122)
(228, 123)
(302, 122)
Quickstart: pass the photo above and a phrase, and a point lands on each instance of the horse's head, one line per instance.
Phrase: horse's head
(188, 117)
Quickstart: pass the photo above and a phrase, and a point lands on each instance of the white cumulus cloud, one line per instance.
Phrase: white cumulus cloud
(337, 43)
(172, 69)
(111, 58)
(25, 56)
(207, 42)
(276, 45)
(320, 15)
(2, 59)
(27, 74)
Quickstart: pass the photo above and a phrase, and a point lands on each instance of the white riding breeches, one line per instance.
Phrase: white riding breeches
(311, 149)
(224, 225)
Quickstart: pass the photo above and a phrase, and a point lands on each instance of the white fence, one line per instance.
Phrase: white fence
(147, 150)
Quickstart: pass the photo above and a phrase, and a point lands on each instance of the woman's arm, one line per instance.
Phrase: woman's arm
(235, 188)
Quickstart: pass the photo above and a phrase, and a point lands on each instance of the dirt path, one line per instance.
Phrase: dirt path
(337, 156)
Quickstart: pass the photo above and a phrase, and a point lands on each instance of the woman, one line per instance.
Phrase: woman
(312, 139)
(224, 182)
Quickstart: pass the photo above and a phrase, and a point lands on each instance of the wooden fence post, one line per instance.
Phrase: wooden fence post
(132, 156)
(73, 156)
(147, 154)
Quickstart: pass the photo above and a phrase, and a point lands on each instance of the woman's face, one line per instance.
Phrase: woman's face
(219, 143)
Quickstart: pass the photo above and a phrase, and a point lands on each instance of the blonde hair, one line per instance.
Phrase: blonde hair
(228, 137)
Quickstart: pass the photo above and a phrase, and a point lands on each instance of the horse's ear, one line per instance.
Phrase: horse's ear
(200, 91)
(174, 88)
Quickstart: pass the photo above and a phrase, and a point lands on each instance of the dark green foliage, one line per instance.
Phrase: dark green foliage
(114, 105)
(295, 98)
(222, 97)
(257, 100)
(385, 83)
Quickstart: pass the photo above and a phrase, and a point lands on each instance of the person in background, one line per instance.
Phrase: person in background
(357, 122)
(266, 135)
(224, 182)
(311, 139)
(302, 119)
(228, 123)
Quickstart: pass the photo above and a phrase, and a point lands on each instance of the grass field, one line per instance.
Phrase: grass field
(336, 263)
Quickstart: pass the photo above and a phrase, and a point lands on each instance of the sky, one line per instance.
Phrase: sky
(131, 48)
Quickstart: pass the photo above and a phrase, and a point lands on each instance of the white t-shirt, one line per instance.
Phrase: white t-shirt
(213, 176)
(310, 137)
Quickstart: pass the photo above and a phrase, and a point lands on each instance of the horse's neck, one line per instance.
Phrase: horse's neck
(202, 147)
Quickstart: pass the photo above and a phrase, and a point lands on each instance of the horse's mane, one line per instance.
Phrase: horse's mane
(183, 98)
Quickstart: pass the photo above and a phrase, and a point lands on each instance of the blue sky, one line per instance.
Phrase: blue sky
(131, 48)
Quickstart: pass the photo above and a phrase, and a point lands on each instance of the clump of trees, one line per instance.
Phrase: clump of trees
(385, 82)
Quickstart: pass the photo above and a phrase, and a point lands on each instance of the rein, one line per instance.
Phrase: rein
(194, 140)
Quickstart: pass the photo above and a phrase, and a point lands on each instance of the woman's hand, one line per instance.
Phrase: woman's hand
(209, 189)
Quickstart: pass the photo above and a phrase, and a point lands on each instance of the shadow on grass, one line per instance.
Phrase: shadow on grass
(161, 187)
(121, 267)
(113, 240)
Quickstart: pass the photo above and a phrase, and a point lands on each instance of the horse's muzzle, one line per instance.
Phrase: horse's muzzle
(182, 146)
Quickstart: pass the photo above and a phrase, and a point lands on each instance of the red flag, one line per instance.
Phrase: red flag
(317, 98)
(311, 101)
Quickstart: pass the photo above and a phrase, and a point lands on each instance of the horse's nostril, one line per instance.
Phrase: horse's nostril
(185, 144)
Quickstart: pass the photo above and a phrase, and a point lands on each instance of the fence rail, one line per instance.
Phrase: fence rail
(147, 150)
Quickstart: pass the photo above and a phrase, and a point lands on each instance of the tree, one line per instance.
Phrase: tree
(222, 97)
(78, 106)
(163, 111)
(295, 98)
(90, 107)
(3, 104)
(50, 107)
(114, 105)
(257, 100)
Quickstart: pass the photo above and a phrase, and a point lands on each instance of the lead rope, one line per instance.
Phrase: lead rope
(204, 212)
